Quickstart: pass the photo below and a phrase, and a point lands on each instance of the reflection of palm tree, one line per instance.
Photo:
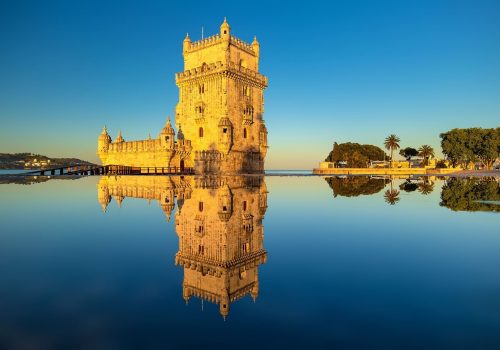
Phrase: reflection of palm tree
(391, 143)
(426, 187)
(391, 196)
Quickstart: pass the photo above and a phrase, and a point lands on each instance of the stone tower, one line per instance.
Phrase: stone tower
(221, 104)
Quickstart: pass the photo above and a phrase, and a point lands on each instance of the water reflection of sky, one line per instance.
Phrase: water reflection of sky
(341, 271)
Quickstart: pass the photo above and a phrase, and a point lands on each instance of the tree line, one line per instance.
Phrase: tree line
(460, 147)
(463, 146)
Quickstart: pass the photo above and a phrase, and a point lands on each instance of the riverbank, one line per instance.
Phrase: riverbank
(407, 171)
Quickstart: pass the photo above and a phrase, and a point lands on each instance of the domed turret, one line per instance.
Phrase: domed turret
(119, 138)
(180, 135)
(103, 197)
(225, 134)
(225, 209)
(224, 304)
(186, 45)
(225, 30)
(167, 135)
(103, 141)
(256, 49)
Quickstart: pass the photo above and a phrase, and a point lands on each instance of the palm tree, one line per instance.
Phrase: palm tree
(391, 143)
(426, 152)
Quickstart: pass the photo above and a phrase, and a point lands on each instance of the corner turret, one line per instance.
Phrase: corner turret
(186, 45)
(225, 30)
(119, 138)
(103, 141)
(167, 135)
(256, 49)
(225, 134)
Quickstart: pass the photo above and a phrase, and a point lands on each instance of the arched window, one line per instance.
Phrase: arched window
(245, 133)
(200, 206)
(244, 205)
(200, 132)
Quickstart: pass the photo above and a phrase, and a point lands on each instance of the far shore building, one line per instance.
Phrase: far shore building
(219, 116)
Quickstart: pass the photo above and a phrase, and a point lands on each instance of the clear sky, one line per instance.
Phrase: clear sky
(338, 70)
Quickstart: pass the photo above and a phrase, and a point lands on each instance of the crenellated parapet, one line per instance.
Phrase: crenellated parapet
(163, 151)
(242, 45)
(229, 69)
(221, 106)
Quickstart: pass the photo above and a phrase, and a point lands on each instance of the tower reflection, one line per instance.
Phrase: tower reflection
(219, 225)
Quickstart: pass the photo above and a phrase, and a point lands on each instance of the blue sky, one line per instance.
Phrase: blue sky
(338, 70)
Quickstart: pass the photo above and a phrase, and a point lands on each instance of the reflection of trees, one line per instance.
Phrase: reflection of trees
(355, 185)
(391, 195)
(408, 186)
(426, 186)
(471, 194)
(423, 185)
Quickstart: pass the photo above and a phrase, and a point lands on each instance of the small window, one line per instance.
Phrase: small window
(224, 208)
(225, 31)
(244, 205)
(167, 138)
(201, 249)
(245, 133)
(200, 206)
(201, 88)
(224, 130)
(200, 132)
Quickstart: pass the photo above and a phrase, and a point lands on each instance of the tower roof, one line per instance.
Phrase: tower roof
(104, 135)
(168, 129)
(180, 135)
(119, 138)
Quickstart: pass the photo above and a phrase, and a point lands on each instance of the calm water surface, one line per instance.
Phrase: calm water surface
(292, 262)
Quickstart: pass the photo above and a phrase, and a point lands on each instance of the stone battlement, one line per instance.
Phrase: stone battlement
(146, 145)
(220, 67)
(242, 45)
(217, 39)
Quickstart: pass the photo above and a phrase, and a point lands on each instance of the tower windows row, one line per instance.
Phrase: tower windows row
(248, 111)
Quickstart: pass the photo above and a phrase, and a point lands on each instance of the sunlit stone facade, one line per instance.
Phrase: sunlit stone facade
(219, 225)
(219, 115)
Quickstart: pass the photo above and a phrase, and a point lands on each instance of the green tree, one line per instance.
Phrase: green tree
(462, 146)
(392, 143)
(408, 153)
(426, 152)
(354, 154)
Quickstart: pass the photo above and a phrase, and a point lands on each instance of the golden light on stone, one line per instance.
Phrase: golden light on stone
(220, 108)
